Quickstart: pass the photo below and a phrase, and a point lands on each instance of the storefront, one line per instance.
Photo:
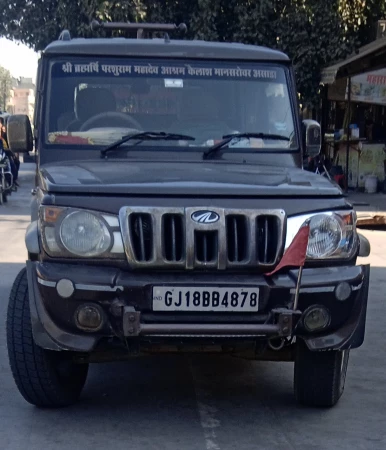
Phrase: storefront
(354, 116)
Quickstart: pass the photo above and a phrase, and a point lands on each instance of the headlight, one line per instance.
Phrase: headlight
(332, 234)
(84, 234)
(325, 236)
(71, 232)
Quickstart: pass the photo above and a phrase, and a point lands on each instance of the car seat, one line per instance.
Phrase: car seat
(90, 102)
(199, 116)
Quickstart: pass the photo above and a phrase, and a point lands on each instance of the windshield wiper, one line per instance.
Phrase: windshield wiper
(147, 136)
(229, 137)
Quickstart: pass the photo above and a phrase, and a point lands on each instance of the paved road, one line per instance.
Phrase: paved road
(180, 403)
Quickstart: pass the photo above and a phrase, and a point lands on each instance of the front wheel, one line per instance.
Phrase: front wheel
(44, 378)
(319, 377)
(3, 191)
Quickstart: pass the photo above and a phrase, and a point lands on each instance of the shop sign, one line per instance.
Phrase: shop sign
(369, 87)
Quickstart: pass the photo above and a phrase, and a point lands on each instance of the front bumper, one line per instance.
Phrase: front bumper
(126, 301)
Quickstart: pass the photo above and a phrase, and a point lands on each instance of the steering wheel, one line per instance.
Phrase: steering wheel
(109, 117)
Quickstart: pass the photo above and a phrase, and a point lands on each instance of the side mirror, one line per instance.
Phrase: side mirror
(19, 132)
(312, 138)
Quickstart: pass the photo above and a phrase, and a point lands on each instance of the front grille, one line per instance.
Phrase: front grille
(206, 246)
(188, 238)
(142, 236)
(173, 237)
(267, 234)
(237, 238)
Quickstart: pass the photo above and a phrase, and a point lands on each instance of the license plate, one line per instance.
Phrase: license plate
(203, 299)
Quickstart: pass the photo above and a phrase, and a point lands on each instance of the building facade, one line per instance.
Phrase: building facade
(22, 100)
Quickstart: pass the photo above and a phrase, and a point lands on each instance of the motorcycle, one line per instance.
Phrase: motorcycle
(324, 167)
(7, 185)
(319, 165)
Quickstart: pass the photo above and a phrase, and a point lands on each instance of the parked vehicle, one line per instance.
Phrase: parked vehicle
(5, 115)
(172, 214)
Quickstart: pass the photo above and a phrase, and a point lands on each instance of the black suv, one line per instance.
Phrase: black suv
(172, 213)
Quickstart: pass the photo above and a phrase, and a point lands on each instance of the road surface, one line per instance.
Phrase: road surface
(195, 403)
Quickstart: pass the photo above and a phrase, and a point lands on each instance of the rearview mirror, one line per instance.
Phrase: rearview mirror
(312, 138)
(19, 132)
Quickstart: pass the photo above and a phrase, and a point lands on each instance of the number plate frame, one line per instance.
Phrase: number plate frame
(185, 299)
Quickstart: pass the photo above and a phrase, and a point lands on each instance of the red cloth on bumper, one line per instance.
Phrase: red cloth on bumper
(295, 256)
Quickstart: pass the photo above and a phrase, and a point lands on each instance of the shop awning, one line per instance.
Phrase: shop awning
(368, 58)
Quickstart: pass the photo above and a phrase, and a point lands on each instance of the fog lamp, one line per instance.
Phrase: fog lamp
(316, 318)
(343, 291)
(89, 318)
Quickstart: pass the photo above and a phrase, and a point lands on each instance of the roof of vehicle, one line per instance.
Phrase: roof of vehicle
(163, 48)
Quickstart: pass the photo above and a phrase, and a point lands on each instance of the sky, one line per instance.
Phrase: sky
(20, 60)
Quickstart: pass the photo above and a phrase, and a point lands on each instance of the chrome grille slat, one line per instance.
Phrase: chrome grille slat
(252, 250)
(157, 237)
(265, 239)
(141, 238)
(205, 247)
(174, 243)
(172, 237)
(236, 238)
(240, 239)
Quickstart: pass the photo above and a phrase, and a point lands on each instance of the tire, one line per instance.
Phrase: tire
(45, 378)
(3, 193)
(8, 191)
(319, 377)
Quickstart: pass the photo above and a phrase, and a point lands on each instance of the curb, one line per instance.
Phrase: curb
(366, 218)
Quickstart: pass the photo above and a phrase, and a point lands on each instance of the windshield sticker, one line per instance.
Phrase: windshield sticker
(174, 83)
(156, 70)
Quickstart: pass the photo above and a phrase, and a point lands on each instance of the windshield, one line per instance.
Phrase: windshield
(97, 102)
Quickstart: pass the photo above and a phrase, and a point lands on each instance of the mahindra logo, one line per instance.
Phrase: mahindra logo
(205, 217)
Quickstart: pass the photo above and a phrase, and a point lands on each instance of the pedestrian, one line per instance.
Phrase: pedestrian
(3, 130)
(4, 160)
(13, 160)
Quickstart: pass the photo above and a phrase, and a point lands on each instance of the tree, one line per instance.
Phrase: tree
(314, 33)
(361, 17)
(39, 23)
(5, 87)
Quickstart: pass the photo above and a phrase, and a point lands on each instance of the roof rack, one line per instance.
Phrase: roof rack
(140, 28)
(65, 36)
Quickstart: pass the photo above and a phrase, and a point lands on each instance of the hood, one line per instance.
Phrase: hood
(199, 179)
